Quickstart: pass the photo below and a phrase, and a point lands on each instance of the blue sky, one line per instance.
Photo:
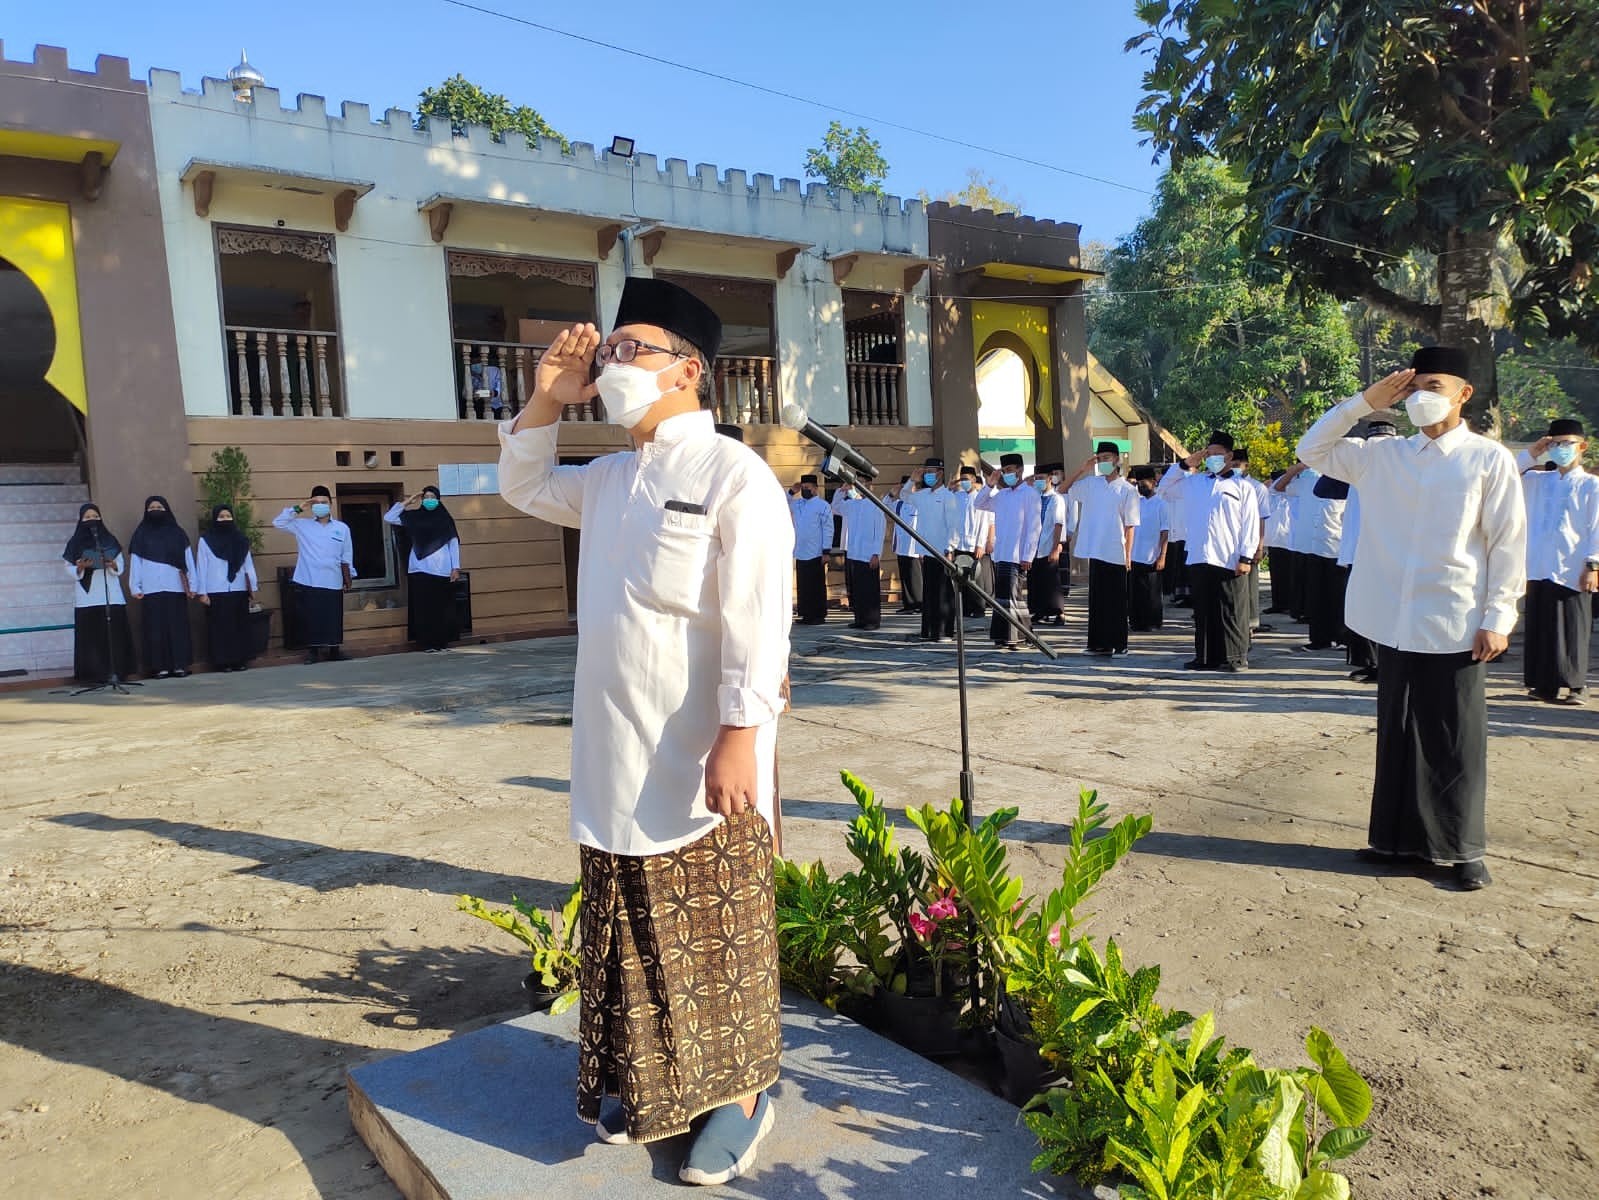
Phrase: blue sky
(1044, 80)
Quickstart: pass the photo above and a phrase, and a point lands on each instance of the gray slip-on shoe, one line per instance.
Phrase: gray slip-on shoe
(725, 1147)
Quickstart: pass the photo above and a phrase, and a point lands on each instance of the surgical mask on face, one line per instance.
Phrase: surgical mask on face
(1040, 484)
(852, 494)
(1563, 454)
(1216, 463)
(966, 485)
(321, 510)
(930, 478)
(1008, 478)
(430, 503)
(1105, 468)
(1427, 408)
(1146, 489)
(628, 392)
(807, 493)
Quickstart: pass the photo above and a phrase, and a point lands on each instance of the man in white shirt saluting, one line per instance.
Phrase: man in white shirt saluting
(1442, 560)
(683, 607)
(813, 534)
(1562, 563)
(1109, 515)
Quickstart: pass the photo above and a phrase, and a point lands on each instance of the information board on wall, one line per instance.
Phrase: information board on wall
(469, 479)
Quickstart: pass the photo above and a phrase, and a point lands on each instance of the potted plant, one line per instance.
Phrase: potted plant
(552, 983)
(227, 481)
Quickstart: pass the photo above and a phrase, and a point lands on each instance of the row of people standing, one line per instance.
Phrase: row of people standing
(162, 571)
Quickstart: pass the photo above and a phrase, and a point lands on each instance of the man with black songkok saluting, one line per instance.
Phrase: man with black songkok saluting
(1017, 518)
(683, 607)
(1442, 561)
(813, 534)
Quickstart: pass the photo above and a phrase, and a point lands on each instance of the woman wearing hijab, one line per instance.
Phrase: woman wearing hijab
(160, 574)
(225, 581)
(434, 565)
(101, 646)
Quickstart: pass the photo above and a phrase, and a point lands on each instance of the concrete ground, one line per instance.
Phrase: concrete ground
(218, 894)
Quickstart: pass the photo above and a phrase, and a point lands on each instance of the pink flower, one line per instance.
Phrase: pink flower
(1054, 937)
(942, 909)
(922, 927)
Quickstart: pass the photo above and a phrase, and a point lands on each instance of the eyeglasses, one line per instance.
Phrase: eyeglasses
(626, 350)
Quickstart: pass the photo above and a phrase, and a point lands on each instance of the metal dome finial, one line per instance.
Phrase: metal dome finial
(245, 79)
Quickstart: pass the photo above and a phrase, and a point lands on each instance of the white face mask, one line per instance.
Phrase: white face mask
(1427, 408)
(629, 392)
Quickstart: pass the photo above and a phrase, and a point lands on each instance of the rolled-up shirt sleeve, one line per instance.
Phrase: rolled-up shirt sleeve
(755, 579)
(1325, 447)
(1504, 527)
(530, 479)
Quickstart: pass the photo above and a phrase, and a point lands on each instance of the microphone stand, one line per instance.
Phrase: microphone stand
(113, 682)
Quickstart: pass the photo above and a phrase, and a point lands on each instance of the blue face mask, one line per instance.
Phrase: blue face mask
(321, 510)
(1563, 454)
(1216, 464)
(930, 478)
(430, 503)
(1008, 478)
(1040, 484)
(966, 485)
(1105, 468)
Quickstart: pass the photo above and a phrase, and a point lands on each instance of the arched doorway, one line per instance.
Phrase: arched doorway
(1007, 392)
(41, 425)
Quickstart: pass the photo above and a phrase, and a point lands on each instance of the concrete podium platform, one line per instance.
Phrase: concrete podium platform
(491, 1115)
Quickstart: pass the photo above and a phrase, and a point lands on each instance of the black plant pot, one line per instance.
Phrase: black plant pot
(923, 1024)
(538, 997)
(1025, 1071)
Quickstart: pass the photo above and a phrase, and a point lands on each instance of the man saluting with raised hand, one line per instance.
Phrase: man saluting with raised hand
(683, 600)
(1442, 561)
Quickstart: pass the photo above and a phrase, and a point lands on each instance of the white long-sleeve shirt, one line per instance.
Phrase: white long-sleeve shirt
(147, 578)
(441, 562)
(1318, 520)
(937, 516)
(1221, 516)
(813, 527)
(1443, 548)
(1351, 533)
(1017, 516)
(1154, 519)
(864, 529)
(322, 548)
(104, 587)
(1562, 521)
(212, 577)
(1279, 512)
(684, 596)
(1052, 523)
(1107, 508)
(904, 545)
(972, 528)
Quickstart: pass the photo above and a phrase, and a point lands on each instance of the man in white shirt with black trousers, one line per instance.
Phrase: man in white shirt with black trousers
(1441, 565)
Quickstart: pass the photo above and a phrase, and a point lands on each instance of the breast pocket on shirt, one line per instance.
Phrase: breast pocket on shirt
(679, 552)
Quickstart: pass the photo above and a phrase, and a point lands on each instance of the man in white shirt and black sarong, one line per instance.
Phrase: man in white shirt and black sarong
(1107, 516)
(1222, 517)
(1252, 581)
(938, 522)
(813, 534)
(1016, 523)
(907, 554)
(1562, 563)
(863, 550)
(1442, 562)
(1151, 542)
(683, 603)
(1045, 603)
(323, 571)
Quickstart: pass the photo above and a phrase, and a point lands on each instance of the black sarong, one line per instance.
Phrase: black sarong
(1431, 784)
(1174, 579)
(1219, 633)
(1280, 563)
(1325, 583)
(164, 629)
(430, 617)
(938, 601)
(227, 629)
(1145, 610)
(910, 583)
(811, 590)
(1008, 591)
(972, 605)
(1044, 602)
(1359, 652)
(1559, 630)
(321, 613)
(97, 652)
(1107, 606)
(865, 594)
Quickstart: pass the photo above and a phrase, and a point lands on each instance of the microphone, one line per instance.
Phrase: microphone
(797, 419)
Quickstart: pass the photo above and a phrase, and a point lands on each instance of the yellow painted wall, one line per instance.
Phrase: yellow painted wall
(36, 238)
(1030, 323)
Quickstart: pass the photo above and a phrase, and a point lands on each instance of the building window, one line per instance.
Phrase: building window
(361, 507)
(504, 312)
(279, 323)
(745, 374)
(874, 357)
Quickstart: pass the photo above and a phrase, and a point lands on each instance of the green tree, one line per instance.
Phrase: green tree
(1529, 398)
(848, 161)
(981, 191)
(462, 102)
(1367, 130)
(1190, 330)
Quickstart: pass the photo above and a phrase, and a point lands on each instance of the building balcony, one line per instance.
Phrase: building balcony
(282, 372)
(745, 390)
(876, 393)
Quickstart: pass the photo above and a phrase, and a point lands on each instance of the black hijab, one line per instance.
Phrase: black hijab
(226, 542)
(82, 541)
(429, 532)
(159, 538)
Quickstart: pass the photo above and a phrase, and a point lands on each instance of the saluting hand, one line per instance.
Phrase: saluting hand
(1389, 391)
(1539, 446)
(562, 376)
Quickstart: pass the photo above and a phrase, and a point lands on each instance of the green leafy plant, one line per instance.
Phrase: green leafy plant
(554, 951)
(848, 160)
(227, 481)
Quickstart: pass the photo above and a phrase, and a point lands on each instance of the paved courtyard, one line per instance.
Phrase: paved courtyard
(220, 893)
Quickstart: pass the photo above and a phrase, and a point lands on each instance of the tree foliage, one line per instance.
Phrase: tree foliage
(1193, 332)
(981, 191)
(1367, 129)
(462, 102)
(848, 160)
